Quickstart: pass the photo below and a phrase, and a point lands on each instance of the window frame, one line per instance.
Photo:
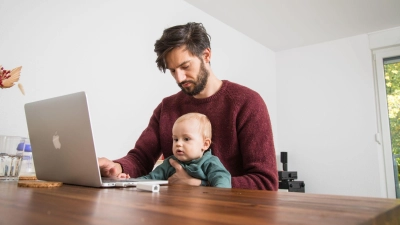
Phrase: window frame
(383, 136)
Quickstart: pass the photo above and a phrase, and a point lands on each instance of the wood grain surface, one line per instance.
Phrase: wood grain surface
(39, 184)
(175, 205)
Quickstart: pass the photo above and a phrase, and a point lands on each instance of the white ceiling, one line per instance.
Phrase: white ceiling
(286, 24)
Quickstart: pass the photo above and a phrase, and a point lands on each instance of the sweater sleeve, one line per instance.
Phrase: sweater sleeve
(217, 174)
(141, 159)
(255, 137)
(161, 172)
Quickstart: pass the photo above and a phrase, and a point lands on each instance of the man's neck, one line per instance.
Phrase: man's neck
(213, 85)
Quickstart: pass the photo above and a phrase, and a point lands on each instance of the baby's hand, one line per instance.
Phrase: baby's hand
(123, 175)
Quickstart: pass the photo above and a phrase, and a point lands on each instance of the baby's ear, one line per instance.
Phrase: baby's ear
(207, 143)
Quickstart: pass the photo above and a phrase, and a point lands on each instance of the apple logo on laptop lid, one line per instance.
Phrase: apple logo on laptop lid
(56, 141)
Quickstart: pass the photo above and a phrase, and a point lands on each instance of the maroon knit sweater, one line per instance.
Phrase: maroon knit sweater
(241, 135)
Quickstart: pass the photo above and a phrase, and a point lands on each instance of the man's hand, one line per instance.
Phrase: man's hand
(109, 168)
(181, 177)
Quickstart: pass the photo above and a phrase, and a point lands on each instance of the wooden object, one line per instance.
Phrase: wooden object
(39, 184)
(27, 178)
(174, 205)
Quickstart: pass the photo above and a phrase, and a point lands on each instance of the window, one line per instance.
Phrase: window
(392, 84)
(387, 62)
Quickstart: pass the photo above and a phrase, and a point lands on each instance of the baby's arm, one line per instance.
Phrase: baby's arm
(217, 174)
(161, 172)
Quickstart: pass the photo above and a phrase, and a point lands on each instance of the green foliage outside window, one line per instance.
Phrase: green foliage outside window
(392, 78)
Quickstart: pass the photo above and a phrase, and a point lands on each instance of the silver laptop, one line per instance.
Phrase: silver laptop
(63, 146)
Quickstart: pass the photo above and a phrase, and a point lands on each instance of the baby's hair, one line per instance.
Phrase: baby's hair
(205, 124)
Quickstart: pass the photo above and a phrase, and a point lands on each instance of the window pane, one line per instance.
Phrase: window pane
(392, 80)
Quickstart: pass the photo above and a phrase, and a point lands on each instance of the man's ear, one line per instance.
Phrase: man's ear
(207, 143)
(207, 55)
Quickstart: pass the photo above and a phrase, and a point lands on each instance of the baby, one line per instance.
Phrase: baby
(191, 136)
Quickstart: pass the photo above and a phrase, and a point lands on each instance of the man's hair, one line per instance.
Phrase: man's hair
(205, 124)
(193, 35)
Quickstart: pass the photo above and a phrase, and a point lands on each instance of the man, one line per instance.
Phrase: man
(243, 139)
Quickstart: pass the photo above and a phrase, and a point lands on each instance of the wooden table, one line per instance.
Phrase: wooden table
(176, 205)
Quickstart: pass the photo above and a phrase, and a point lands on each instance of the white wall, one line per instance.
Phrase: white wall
(106, 49)
(321, 96)
(327, 116)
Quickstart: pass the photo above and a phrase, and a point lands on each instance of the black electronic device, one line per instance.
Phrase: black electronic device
(292, 186)
(284, 160)
(287, 175)
(287, 178)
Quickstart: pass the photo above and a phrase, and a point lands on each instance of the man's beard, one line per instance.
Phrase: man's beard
(199, 84)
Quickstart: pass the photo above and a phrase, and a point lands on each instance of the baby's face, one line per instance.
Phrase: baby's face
(187, 143)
